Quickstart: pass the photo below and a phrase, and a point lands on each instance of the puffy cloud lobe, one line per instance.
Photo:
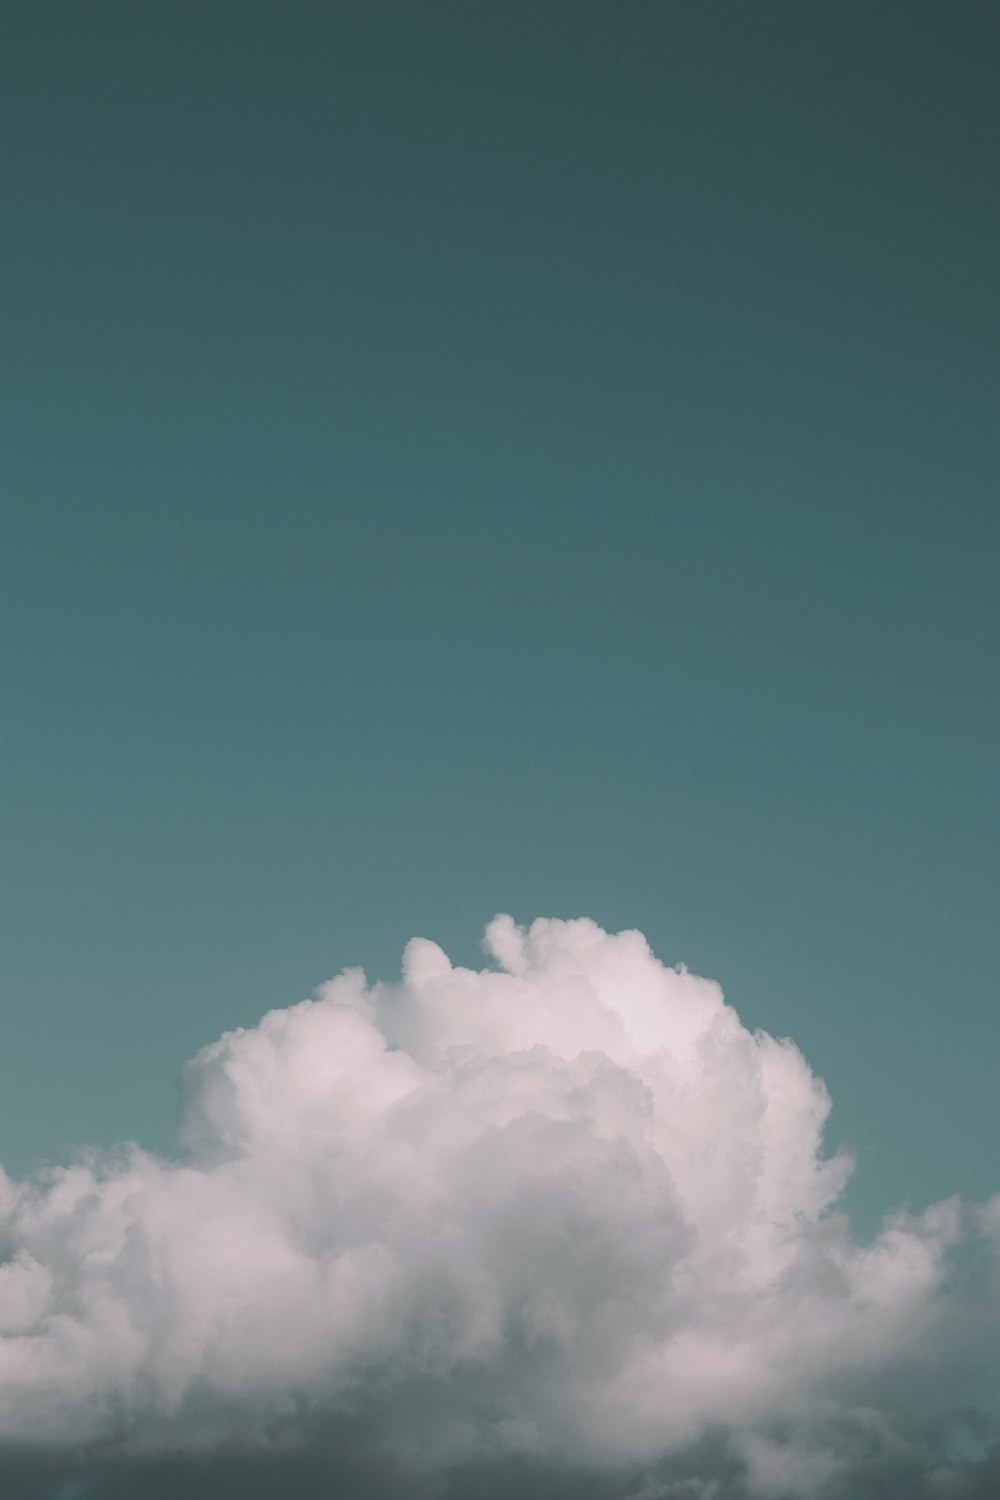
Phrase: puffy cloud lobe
(566, 1211)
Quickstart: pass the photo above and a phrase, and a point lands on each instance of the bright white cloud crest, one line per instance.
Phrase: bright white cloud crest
(569, 1207)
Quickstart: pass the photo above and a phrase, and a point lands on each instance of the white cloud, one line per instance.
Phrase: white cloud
(567, 1210)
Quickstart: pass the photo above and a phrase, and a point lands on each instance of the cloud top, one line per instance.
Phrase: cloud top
(566, 1209)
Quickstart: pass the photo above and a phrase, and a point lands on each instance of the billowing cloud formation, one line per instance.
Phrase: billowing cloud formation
(565, 1214)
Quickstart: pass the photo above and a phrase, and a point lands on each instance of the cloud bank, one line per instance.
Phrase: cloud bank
(563, 1224)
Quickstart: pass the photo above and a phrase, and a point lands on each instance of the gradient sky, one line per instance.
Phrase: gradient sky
(525, 457)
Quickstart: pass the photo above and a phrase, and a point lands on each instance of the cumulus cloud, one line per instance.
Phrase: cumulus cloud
(563, 1218)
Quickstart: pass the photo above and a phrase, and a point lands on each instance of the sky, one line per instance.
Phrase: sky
(463, 459)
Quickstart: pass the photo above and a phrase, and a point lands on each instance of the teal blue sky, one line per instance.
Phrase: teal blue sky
(528, 457)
